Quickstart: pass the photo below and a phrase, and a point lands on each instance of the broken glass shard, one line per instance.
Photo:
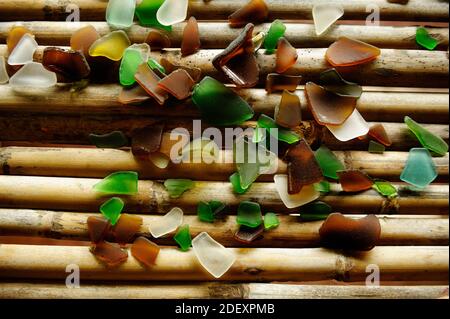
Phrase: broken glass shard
(289, 112)
(98, 228)
(111, 46)
(112, 209)
(305, 196)
(133, 56)
(323, 186)
(167, 224)
(127, 228)
(23, 51)
(247, 235)
(114, 139)
(286, 56)
(183, 238)
(235, 181)
(110, 254)
(349, 52)
(354, 180)
(379, 133)
(325, 15)
(271, 221)
(425, 39)
(420, 170)
(428, 140)
(355, 126)
(279, 82)
(145, 251)
(195, 73)
(191, 38)
(282, 134)
(120, 13)
(178, 83)
(149, 80)
(133, 95)
(70, 65)
(172, 12)
(276, 31)
(33, 74)
(328, 162)
(255, 11)
(146, 140)
(249, 214)
(14, 35)
(158, 40)
(120, 183)
(376, 148)
(385, 188)
(83, 38)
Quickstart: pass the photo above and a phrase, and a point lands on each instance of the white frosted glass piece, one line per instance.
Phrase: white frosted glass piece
(355, 126)
(120, 13)
(4, 77)
(172, 12)
(167, 224)
(306, 195)
(325, 15)
(23, 51)
(33, 74)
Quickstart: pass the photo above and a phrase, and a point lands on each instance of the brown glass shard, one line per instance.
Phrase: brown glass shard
(110, 254)
(133, 95)
(286, 56)
(69, 65)
(349, 52)
(178, 83)
(238, 61)
(378, 132)
(146, 140)
(98, 228)
(149, 82)
(326, 107)
(191, 38)
(354, 180)
(195, 73)
(279, 82)
(302, 168)
(256, 11)
(127, 228)
(341, 232)
(247, 234)
(145, 251)
(83, 38)
(15, 34)
(289, 112)
(157, 40)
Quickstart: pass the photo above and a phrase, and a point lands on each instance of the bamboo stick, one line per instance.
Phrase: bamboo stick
(415, 10)
(77, 194)
(102, 99)
(56, 290)
(92, 162)
(215, 35)
(252, 264)
(292, 233)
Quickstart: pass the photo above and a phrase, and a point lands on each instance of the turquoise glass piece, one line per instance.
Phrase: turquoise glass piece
(114, 139)
(376, 148)
(319, 208)
(235, 181)
(249, 214)
(284, 135)
(120, 13)
(420, 170)
(424, 39)
(133, 56)
(153, 64)
(183, 238)
(428, 140)
(276, 31)
(120, 183)
(385, 188)
(328, 162)
(176, 187)
(112, 209)
(271, 221)
(323, 187)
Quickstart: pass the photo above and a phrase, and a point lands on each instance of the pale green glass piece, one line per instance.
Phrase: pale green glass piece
(282, 134)
(183, 238)
(276, 31)
(112, 209)
(428, 140)
(377, 148)
(249, 214)
(235, 181)
(176, 187)
(271, 221)
(120, 13)
(420, 170)
(153, 64)
(120, 183)
(323, 187)
(385, 188)
(328, 162)
(424, 39)
(133, 56)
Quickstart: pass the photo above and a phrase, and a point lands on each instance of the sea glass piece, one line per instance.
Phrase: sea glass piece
(379, 133)
(258, 41)
(355, 126)
(119, 183)
(98, 228)
(154, 65)
(238, 60)
(133, 95)
(247, 235)
(15, 35)
(302, 167)
(349, 52)
(276, 31)
(255, 11)
(146, 140)
(127, 228)
(354, 180)
(232, 109)
(235, 181)
(195, 73)
(249, 214)
(205, 213)
(176, 187)
(282, 134)
(420, 170)
(23, 51)
(111, 46)
(112, 209)
(214, 257)
(217, 207)
(280, 82)
(428, 140)
(4, 77)
(115, 139)
(120, 13)
(323, 187)
(271, 221)
(289, 112)
(333, 82)
(183, 238)
(158, 40)
(178, 83)
(325, 15)
(305, 196)
(385, 188)
(33, 74)
(326, 107)
(69, 64)
(172, 12)
(167, 224)
(149, 80)
(286, 56)
(425, 39)
(133, 56)
(319, 208)
(376, 148)
(145, 251)
(190, 42)
(83, 38)
(110, 254)
(328, 162)
(342, 232)
(146, 12)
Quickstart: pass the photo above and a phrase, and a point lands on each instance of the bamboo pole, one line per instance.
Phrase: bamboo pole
(252, 264)
(93, 162)
(56, 290)
(77, 194)
(415, 10)
(215, 35)
(292, 233)
(102, 99)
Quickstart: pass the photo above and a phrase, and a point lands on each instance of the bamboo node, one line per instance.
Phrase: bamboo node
(343, 267)
(229, 291)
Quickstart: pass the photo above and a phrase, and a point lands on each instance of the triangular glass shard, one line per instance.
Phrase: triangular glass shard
(172, 12)
(349, 52)
(379, 133)
(286, 56)
(306, 195)
(420, 170)
(355, 126)
(23, 51)
(111, 46)
(120, 13)
(33, 74)
(195, 73)
(325, 15)
(167, 224)
(271, 221)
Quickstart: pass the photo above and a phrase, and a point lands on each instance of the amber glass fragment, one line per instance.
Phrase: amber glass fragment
(110, 254)
(83, 39)
(191, 38)
(178, 83)
(148, 79)
(133, 95)
(342, 232)
(195, 73)
(378, 132)
(328, 108)
(157, 40)
(279, 82)
(145, 251)
(146, 140)
(15, 34)
(286, 56)
(349, 52)
(289, 112)
(256, 11)
(126, 228)
(354, 180)
(238, 61)
(247, 234)
(69, 65)
(98, 228)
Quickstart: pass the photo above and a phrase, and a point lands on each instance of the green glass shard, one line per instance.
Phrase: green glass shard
(153, 64)
(420, 169)
(328, 162)
(205, 213)
(114, 139)
(183, 238)
(323, 187)
(271, 221)
(307, 217)
(235, 181)
(385, 188)
(428, 140)
(146, 14)
(249, 214)
(176, 187)
(377, 148)
(332, 81)
(319, 208)
(424, 39)
(120, 183)
(112, 209)
(276, 31)
(220, 105)
(283, 134)
(133, 56)
(217, 207)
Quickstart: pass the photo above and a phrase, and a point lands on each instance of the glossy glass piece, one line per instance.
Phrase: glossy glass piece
(333, 82)
(279, 82)
(214, 257)
(205, 213)
(115, 139)
(282, 134)
(235, 181)
(110, 254)
(379, 133)
(146, 12)
(232, 109)
(14, 35)
(120, 13)
(172, 12)
(258, 41)
(318, 208)
(167, 224)
(70, 65)
(249, 214)
(33, 74)
(323, 186)
(191, 38)
(183, 238)
(155, 66)
(355, 126)
(24, 50)
(342, 232)
(276, 31)
(428, 140)
(195, 73)
(133, 56)
(349, 52)
(289, 112)
(176, 187)
(119, 183)
(328, 162)
(83, 38)
(158, 40)
(325, 15)
(178, 83)
(420, 170)
(133, 95)
(4, 77)
(255, 11)
(146, 140)
(149, 80)
(286, 56)
(127, 228)
(305, 196)
(111, 46)
(271, 221)
(247, 235)
(425, 39)
(145, 251)
(112, 208)
(376, 148)
(385, 188)
(354, 180)
(98, 228)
